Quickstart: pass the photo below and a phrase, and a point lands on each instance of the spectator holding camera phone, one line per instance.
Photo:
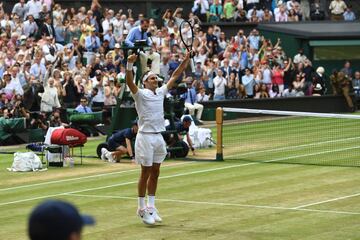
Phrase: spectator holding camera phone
(55, 119)
(31, 94)
(39, 120)
(18, 110)
(4, 102)
(71, 91)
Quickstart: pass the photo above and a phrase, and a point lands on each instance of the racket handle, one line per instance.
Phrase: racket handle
(192, 65)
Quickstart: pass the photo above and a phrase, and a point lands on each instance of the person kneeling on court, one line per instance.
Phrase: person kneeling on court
(119, 144)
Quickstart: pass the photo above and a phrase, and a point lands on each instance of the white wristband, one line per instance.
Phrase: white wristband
(129, 66)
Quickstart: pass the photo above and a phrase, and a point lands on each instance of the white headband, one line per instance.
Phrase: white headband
(148, 75)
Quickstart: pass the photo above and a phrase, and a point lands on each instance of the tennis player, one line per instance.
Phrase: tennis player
(150, 147)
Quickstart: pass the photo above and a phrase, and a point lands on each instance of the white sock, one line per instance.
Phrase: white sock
(141, 202)
(151, 201)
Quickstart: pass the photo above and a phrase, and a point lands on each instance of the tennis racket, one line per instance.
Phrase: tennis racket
(187, 38)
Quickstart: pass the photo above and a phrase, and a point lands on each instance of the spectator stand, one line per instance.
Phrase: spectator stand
(326, 44)
(32, 64)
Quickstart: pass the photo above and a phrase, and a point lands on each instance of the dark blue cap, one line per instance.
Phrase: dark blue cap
(56, 220)
(187, 119)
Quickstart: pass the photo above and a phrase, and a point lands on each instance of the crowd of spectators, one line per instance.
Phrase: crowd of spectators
(53, 58)
(271, 10)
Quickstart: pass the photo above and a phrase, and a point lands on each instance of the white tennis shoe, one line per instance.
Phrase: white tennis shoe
(110, 157)
(155, 214)
(145, 216)
(103, 153)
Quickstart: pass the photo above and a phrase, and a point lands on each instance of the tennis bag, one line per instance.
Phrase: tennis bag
(68, 136)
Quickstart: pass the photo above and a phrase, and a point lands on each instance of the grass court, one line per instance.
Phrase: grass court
(240, 198)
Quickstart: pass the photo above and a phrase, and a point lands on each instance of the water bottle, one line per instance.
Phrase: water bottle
(71, 162)
(65, 161)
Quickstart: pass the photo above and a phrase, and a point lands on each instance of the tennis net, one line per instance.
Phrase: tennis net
(290, 137)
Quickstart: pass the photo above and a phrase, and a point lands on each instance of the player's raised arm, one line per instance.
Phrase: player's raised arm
(178, 71)
(129, 73)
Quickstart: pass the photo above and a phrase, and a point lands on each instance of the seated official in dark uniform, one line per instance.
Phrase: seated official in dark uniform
(182, 128)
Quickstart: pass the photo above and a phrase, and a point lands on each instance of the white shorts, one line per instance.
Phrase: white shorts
(149, 148)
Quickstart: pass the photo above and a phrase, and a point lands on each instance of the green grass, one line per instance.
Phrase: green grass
(321, 141)
(241, 198)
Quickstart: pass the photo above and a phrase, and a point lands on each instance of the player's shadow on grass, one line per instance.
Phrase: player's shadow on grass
(182, 227)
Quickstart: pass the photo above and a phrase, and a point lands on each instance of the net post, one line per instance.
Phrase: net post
(219, 127)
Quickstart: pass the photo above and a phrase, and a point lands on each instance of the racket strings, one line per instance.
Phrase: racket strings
(187, 34)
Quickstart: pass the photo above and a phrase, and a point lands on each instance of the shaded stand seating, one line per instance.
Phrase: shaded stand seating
(9, 128)
(86, 122)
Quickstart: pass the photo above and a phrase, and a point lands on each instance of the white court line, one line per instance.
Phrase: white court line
(326, 201)
(296, 147)
(163, 177)
(85, 177)
(122, 184)
(218, 204)
(132, 170)
(304, 155)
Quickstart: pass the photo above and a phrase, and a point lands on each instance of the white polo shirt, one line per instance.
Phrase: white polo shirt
(150, 109)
